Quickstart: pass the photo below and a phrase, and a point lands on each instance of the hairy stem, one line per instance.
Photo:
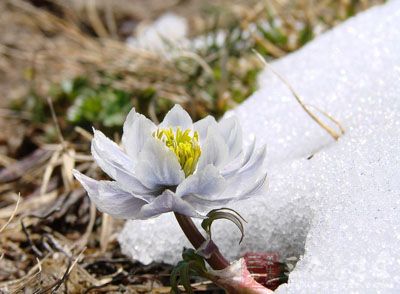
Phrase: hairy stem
(216, 261)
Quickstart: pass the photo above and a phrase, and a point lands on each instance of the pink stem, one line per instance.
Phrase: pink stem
(217, 261)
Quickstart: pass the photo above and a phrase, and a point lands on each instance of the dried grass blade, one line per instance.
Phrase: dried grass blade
(106, 230)
(12, 215)
(327, 128)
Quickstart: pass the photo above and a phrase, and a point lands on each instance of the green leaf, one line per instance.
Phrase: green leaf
(174, 279)
(276, 36)
(185, 277)
(223, 213)
(191, 265)
(197, 261)
(306, 34)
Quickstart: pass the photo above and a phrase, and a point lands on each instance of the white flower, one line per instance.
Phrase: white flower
(177, 166)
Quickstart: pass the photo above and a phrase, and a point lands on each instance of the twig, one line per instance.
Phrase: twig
(327, 128)
(48, 171)
(85, 238)
(110, 19)
(342, 130)
(20, 168)
(106, 229)
(58, 283)
(12, 215)
(53, 115)
(68, 271)
(85, 134)
(95, 20)
(36, 250)
(25, 230)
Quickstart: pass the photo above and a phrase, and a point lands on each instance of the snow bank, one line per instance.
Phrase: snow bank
(339, 209)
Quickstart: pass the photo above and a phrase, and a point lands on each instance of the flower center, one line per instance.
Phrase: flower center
(184, 144)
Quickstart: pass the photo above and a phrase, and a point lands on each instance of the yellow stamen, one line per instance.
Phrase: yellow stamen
(184, 144)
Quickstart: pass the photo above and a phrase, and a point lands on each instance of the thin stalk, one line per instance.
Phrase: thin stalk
(217, 261)
(327, 128)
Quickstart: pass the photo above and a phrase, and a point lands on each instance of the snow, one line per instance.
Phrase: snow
(168, 31)
(338, 210)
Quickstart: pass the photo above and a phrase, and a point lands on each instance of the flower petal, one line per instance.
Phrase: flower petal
(110, 198)
(255, 162)
(241, 187)
(249, 152)
(231, 131)
(206, 183)
(177, 117)
(234, 166)
(114, 162)
(202, 125)
(234, 192)
(203, 204)
(137, 129)
(111, 150)
(251, 168)
(168, 202)
(158, 166)
(214, 150)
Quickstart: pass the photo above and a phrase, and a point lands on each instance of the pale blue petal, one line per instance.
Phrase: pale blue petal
(110, 198)
(202, 125)
(249, 152)
(259, 188)
(255, 162)
(205, 183)
(204, 204)
(177, 117)
(168, 202)
(252, 167)
(137, 129)
(246, 187)
(111, 150)
(231, 131)
(158, 166)
(241, 190)
(233, 167)
(214, 150)
(243, 184)
(114, 162)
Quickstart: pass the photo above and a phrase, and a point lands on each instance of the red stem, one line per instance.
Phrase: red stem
(216, 261)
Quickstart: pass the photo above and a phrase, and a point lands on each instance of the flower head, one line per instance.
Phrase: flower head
(185, 146)
(177, 166)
